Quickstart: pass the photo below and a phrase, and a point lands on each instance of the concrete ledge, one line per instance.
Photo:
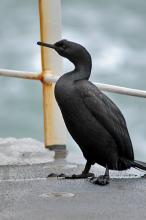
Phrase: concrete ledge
(26, 194)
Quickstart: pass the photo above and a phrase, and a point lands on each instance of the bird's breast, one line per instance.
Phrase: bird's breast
(64, 90)
(75, 113)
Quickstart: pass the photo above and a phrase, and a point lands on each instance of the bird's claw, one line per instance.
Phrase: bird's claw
(80, 176)
(52, 175)
(61, 176)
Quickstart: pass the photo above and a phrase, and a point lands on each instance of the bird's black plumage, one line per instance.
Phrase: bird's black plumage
(93, 120)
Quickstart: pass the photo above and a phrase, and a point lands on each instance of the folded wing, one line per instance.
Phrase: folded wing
(109, 115)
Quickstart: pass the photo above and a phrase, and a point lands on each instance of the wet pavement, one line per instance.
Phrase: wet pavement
(26, 194)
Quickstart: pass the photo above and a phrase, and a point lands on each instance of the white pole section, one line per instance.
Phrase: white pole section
(121, 90)
(20, 74)
(50, 28)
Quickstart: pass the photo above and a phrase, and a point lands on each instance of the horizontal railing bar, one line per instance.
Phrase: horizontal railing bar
(106, 87)
(121, 90)
(51, 78)
(20, 74)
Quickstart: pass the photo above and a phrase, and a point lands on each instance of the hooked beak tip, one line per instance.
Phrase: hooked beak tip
(39, 43)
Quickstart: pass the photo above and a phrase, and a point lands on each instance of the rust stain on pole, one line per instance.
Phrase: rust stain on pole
(50, 28)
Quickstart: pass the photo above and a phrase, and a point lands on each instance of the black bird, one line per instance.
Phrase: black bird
(93, 120)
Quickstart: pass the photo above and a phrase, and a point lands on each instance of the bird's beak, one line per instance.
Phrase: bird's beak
(46, 45)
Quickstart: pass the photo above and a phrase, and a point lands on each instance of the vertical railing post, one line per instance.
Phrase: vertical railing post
(50, 28)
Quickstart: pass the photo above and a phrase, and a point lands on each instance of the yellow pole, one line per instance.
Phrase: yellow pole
(50, 28)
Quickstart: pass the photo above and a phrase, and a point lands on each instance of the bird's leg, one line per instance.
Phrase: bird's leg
(103, 179)
(83, 175)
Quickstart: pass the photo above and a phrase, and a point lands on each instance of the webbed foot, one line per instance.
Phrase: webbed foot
(74, 176)
(85, 174)
(101, 180)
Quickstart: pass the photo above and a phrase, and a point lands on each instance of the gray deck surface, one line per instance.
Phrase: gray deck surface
(26, 194)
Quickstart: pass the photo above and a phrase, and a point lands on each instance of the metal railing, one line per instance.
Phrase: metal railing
(50, 31)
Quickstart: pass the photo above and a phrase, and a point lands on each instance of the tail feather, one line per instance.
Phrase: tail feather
(138, 164)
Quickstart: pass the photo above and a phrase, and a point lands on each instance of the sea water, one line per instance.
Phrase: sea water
(113, 31)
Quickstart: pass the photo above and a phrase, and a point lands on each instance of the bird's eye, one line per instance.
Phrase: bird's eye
(63, 46)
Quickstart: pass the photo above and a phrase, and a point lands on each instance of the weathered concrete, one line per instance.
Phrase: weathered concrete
(26, 194)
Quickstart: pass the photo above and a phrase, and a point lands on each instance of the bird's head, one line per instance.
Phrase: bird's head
(70, 50)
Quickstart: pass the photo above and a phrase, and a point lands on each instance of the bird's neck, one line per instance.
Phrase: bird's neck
(82, 70)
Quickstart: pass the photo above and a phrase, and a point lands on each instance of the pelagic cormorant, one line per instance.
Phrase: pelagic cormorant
(93, 120)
